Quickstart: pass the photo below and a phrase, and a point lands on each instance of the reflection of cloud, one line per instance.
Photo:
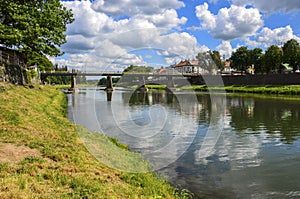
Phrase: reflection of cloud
(240, 151)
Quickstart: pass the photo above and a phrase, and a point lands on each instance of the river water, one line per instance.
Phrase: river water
(215, 145)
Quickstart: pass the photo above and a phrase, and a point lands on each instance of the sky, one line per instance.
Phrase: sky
(110, 35)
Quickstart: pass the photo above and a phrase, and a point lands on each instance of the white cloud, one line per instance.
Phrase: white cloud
(270, 6)
(119, 8)
(88, 22)
(166, 19)
(225, 49)
(208, 19)
(98, 41)
(230, 23)
(179, 46)
(267, 37)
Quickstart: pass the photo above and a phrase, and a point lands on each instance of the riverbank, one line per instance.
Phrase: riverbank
(265, 89)
(42, 155)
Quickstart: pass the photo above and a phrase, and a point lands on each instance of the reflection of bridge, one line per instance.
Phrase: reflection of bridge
(142, 78)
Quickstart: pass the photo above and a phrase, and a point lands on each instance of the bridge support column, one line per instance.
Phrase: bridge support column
(109, 84)
(74, 87)
(170, 83)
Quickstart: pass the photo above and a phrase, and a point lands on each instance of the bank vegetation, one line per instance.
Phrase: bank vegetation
(42, 155)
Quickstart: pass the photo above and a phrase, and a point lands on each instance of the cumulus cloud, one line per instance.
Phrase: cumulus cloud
(180, 45)
(106, 34)
(270, 6)
(119, 8)
(167, 19)
(267, 37)
(229, 23)
(225, 49)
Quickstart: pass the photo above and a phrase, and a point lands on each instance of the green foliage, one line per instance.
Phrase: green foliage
(273, 58)
(138, 69)
(59, 79)
(34, 26)
(117, 143)
(42, 62)
(206, 61)
(291, 53)
(216, 57)
(256, 58)
(239, 58)
(31, 74)
(156, 86)
(181, 193)
(103, 81)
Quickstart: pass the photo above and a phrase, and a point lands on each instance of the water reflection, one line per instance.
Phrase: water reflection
(258, 149)
(271, 116)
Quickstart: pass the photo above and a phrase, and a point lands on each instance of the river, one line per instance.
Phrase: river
(215, 145)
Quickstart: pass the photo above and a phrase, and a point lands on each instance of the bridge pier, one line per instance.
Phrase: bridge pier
(109, 84)
(74, 87)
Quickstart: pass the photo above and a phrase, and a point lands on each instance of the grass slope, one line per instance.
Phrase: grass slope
(42, 156)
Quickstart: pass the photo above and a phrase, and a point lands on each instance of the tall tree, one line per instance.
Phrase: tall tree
(240, 58)
(216, 57)
(34, 26)
(205, 60)
(273, 58)
(256, 58)
(42, 62)
(291, 53)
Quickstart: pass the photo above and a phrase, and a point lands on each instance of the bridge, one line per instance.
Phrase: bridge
(143, 78)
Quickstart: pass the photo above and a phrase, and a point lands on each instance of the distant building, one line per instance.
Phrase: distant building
(189, 66)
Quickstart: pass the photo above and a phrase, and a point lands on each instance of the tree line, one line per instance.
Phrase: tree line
(263, 62)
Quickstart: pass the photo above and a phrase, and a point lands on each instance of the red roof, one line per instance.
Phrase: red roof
(187, 63)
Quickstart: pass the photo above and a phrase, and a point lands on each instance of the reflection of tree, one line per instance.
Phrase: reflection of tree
(273, 115)
(139, 98)
(150, 98)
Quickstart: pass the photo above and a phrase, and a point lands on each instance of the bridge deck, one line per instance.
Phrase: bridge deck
(105, 73)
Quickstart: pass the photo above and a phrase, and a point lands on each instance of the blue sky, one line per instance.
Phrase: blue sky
(112, 34)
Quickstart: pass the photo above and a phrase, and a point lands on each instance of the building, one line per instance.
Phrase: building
(190, 66)
(12, 57)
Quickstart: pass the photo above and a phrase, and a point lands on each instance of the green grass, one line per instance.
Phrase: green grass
(157, 87)
(264, 89)
(63, 167)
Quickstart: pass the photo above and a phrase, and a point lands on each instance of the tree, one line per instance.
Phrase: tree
(42, 62)
(138, 69)
(256, 58)
(205, 60)
(34, 26)
(216, 57)
(272, 58)
(240, 58)
(291, 53)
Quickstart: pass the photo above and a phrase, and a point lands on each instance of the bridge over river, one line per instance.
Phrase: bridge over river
(140, 79)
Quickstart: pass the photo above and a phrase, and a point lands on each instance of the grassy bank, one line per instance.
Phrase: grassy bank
(42, 155)
(265, 89)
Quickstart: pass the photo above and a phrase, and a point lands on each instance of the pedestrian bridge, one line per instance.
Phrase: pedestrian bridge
(140, 79)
